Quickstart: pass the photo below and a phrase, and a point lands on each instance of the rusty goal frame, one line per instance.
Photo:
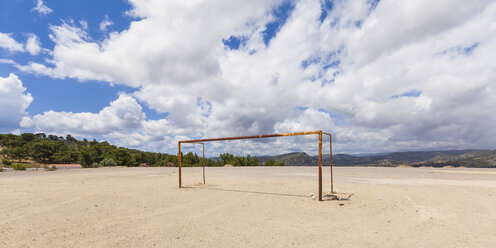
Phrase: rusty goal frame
(319, 133)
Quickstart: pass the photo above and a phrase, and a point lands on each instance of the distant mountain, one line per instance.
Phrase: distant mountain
(411, 157)
(395, 158)
(292, 159)
(369, 154)
(466, 158)
(481, 158)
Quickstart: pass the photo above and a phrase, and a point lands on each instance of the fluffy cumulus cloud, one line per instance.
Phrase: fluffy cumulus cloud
(9, 43)
(41, 8)
(388, 75)
(121, 115)
(13, 102)
(123, 122)
(33, 44)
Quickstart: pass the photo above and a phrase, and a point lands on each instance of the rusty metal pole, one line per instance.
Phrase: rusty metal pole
(266, 136)
(320, 166)
(179, 161)
(203, 163)
(252, 136)
(330, 153)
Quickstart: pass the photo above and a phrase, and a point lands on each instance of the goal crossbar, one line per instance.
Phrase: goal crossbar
(319, 133)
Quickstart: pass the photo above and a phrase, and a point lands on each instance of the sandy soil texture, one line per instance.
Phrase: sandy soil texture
(248, 207)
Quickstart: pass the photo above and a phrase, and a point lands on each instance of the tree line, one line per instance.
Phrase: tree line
(192, 160)
(45, 149)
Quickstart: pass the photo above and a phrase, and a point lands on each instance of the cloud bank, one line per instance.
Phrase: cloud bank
(381, 76)
(13, 102)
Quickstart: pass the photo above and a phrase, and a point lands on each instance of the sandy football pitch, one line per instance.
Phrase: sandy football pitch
(248, 207)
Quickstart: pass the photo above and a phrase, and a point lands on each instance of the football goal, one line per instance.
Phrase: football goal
(319, 133)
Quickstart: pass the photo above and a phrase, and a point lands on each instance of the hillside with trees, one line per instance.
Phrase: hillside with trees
(39, 150)
(455, 158)
(291, 159)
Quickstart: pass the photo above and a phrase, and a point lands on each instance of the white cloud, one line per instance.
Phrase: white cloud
(42, 8)
(180, 47)
(123, 122)
(396, 24)
(13, 102)
(8, 61)
(405, 75)
(9, 43)
(105, 23)
(309, 119)
(33, 44)
(123, 114)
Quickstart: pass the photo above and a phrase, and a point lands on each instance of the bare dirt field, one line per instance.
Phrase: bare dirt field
(248, 207)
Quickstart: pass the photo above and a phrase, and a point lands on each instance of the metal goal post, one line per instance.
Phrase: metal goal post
(319, 133)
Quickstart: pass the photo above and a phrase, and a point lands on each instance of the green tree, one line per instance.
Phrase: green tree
(28, 137)
(212, 163)
(190, 159)
(107, 162)
(227, 158)
(42, 150)
(85, 158)
(122, 156)
(17, 152)
(95, 151)
(70, 139)
(270, 162)
(40, 135)
(65, 154)
(10, 140)
(238, 161)
(252, 161)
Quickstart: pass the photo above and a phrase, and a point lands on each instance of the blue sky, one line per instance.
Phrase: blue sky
(18, 18)
(143, 74)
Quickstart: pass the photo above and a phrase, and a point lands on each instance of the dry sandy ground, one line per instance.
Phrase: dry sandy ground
(248, 207)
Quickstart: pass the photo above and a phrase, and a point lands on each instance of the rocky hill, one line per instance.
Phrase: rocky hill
(466, 158)
(292, 159)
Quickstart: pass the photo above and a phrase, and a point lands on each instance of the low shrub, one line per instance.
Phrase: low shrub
(6, 162)
(273, 163)
(1, 168)
(18, 166)
(107, 162)
(270, 162)
(51, 168)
